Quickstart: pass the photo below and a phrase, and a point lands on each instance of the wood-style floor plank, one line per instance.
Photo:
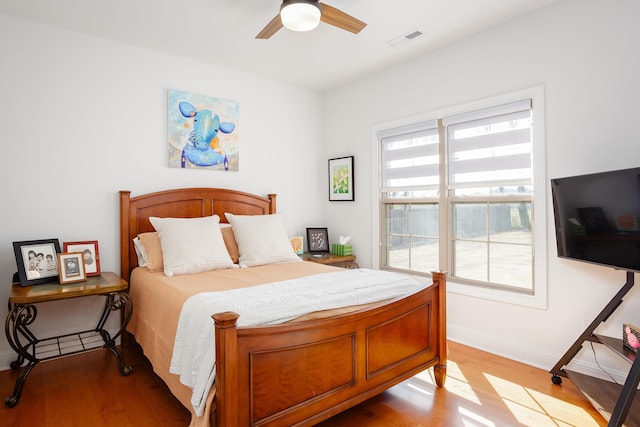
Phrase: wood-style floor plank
(481, 390)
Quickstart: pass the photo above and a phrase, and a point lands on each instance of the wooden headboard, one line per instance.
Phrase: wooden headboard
(180, 203)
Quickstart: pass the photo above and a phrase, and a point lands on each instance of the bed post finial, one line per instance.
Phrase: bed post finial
(272, 203)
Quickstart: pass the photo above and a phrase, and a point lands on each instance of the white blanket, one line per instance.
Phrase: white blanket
(194, 348)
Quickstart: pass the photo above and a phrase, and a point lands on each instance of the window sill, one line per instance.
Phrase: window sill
(537, 300)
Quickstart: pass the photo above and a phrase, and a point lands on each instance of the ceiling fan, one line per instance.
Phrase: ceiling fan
(305, 15)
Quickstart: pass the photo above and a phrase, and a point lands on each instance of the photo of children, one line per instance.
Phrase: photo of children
(71, 268)
(90, 254)
(40, 261)
(37, 261)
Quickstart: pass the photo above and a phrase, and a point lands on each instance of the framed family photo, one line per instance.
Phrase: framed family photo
(37, 261)
(341, 186)
(71, 267)
(90, 254)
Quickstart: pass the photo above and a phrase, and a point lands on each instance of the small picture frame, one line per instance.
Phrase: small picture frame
(297, 244)
(341, 185)
(90, 253)
(37, 261)
(317, 240)
(71, 267)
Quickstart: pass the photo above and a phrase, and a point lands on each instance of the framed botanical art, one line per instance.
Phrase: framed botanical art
(71, 267)
(37, 261)
(90, 254)
(341, 185)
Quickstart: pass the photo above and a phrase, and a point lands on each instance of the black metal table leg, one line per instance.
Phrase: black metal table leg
(13, 400)
(115, 302)
(16, 329)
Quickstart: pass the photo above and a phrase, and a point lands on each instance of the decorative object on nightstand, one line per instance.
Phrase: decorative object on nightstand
(297, 244)
(342, 248)
(71, 268)
(37, 261)
(23, 312)
(317, 240)
(90, 254)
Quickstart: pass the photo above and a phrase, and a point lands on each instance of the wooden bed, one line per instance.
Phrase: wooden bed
(303, 372)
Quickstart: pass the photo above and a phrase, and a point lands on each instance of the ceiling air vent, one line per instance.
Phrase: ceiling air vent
(413, 34)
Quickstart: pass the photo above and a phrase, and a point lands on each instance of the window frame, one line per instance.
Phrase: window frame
(536, 299)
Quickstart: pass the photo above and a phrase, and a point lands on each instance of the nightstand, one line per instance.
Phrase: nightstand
(23, 312)
(344, 261)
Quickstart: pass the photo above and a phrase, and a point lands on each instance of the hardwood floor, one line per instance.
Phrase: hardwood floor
(481, 390)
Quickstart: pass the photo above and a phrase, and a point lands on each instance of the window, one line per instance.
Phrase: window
(411, 182)
(457, 193)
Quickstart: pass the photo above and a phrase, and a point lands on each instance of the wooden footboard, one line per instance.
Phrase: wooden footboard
(302, 373)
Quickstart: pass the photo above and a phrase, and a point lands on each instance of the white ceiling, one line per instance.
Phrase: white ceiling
(222, 32)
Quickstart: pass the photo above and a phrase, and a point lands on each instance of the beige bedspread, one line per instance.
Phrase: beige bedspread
(158, 299)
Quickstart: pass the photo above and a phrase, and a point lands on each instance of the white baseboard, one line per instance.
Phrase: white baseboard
(532, 356)
(6, 357)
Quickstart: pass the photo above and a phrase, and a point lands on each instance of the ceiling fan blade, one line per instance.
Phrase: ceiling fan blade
(340, 19)
(271, 28)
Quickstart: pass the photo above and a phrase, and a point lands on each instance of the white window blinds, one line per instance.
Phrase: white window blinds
(491, 146)
(410, 157)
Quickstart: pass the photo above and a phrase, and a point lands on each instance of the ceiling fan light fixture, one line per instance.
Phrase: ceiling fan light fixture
(300, 15)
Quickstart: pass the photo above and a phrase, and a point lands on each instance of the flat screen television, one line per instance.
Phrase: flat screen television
(596, 218)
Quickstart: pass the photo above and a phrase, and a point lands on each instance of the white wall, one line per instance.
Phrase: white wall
(83, 117)
(585, 54)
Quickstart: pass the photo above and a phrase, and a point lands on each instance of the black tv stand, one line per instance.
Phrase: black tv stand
(613, 401)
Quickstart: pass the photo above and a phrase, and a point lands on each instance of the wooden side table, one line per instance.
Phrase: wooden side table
(344, 261)
(23, 312)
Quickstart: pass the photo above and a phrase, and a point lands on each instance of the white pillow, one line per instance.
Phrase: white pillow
(191, 245)
(140, 252)
(262, 239)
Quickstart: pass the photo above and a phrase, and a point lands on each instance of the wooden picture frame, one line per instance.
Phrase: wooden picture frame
(71, 267)
(341, 185)
(37, 261)
(90, 252)
(317, 240)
